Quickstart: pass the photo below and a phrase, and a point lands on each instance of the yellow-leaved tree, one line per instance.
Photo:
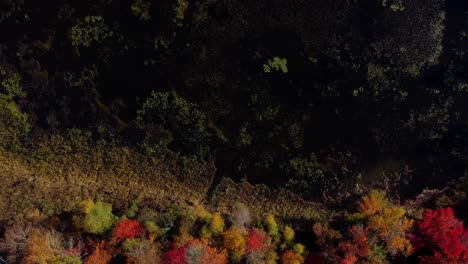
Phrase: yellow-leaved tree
(234, 241)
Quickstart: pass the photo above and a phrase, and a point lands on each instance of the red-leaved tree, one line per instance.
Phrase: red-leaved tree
(126, 229)
(440, 229)
(256, 240)
(357, 248)
(175, 256)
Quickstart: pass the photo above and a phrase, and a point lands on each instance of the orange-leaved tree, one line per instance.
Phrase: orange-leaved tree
(291, 257)
(100, 254)
(198, 252)
(388, 223)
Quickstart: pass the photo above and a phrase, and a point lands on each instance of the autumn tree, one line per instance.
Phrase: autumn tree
(216, 225)
(240, 215)
(184, 236)
(14, 241)
(126, 229)
(357, 248)
(234, 241)
(213, 224)
(288, 234)
(45, 246)
(272, 226)
(100, 254)
(260, 248)
(98, 217)
(256, 240)
(175, 256)
(141, 250)
(14, 122)
(443, 232)
(181, 119)
(291, 257)
(381, 230)
(388, 222)
(327, 239)
(198, 252)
